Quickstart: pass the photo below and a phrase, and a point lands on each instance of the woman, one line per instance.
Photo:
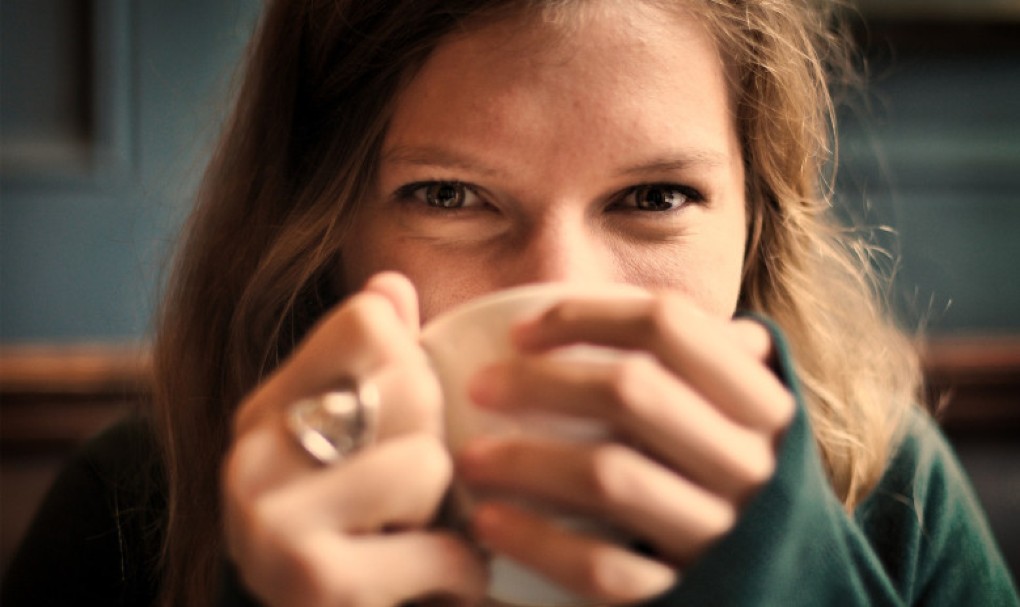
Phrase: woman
(386, 161)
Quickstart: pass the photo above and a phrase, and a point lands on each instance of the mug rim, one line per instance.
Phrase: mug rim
(609, 290)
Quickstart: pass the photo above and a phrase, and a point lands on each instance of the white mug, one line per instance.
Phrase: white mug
(467, 338)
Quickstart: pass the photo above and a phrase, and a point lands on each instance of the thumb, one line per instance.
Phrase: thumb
(396, 288)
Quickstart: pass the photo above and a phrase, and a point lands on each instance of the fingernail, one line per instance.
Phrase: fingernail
(523, 335)
(477, 449)
(487, 387)
(485, 522)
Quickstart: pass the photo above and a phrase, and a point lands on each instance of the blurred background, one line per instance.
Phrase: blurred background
(108, 109)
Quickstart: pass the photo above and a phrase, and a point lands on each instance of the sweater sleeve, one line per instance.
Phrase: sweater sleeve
(927, 526)
(919, 539)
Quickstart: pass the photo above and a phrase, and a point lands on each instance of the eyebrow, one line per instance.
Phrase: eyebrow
(433, 156)
(687, 159)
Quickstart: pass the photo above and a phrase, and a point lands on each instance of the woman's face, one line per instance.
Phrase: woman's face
(599, 150)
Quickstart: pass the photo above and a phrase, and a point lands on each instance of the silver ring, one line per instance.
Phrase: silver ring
(331, 426)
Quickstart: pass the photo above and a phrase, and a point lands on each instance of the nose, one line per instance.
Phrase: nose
(562, 249)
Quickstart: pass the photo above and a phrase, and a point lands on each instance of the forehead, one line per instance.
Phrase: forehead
(602, 74)
(623, 33)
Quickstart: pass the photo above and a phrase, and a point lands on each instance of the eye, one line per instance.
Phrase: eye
(659, 197)
(445, 194)
(440, 194)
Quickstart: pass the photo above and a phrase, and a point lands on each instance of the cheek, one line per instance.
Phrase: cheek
(356, 264)
(710, 281)
(706, 267)
(441, 280)
(436, 297)
(720, 278)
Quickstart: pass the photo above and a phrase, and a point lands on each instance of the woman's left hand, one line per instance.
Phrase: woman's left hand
(697, 416)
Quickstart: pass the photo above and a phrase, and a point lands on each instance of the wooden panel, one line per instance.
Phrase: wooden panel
(54, 397)
(975, 384)
(67, 69)
(940, 10)
(61, 395)
(51, 400)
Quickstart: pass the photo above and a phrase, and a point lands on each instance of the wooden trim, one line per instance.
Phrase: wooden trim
(945, 32)
(55, 397)
(60, 395)
(958, 11)
(973, 357)
(77, 369)
(974, 383)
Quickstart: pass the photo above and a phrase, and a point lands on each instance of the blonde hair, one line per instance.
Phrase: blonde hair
(815, 278)
(299, 153)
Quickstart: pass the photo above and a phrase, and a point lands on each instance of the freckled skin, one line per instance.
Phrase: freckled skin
(545, 122)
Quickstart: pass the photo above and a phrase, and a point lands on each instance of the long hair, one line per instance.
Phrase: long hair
(299, 153)
(819, 280)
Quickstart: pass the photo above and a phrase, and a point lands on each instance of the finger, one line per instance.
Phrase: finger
(262, 458)
(267, 454)
(398, 484)
(683, 338)
(584, 565)
(352, 341)
(645, 405)
(605, 481)
(414, 566)
(753, 338)
(402, 295)
(382, 571)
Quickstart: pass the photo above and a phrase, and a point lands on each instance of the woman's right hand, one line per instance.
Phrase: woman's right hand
(354, 533)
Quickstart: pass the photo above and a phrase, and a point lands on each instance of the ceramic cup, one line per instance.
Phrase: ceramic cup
(467, 338)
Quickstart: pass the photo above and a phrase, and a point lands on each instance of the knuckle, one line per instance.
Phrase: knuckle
(752, 335)
(319, 580)
(258, 539)
(760, 464)
(238, 476)
(785, 410)
(295, 565)
(341, 589)
(365, 321)
(597, 573)
(675, 318)
(366, 318)
(605, 574)
(266, 519)
(610, 469)
(303, 571)
(425, 396)
(719, 520)
(629, 381)
(562, 313)
(662, 316)
(777, 412)
(431, 459)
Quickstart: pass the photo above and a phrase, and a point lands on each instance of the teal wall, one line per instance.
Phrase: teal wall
(937, 157)
(84, 234)
(84, 231)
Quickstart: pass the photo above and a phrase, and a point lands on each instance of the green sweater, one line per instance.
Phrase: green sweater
(920, 538)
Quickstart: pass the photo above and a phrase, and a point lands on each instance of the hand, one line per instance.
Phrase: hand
(353, 533)
(697, 414)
